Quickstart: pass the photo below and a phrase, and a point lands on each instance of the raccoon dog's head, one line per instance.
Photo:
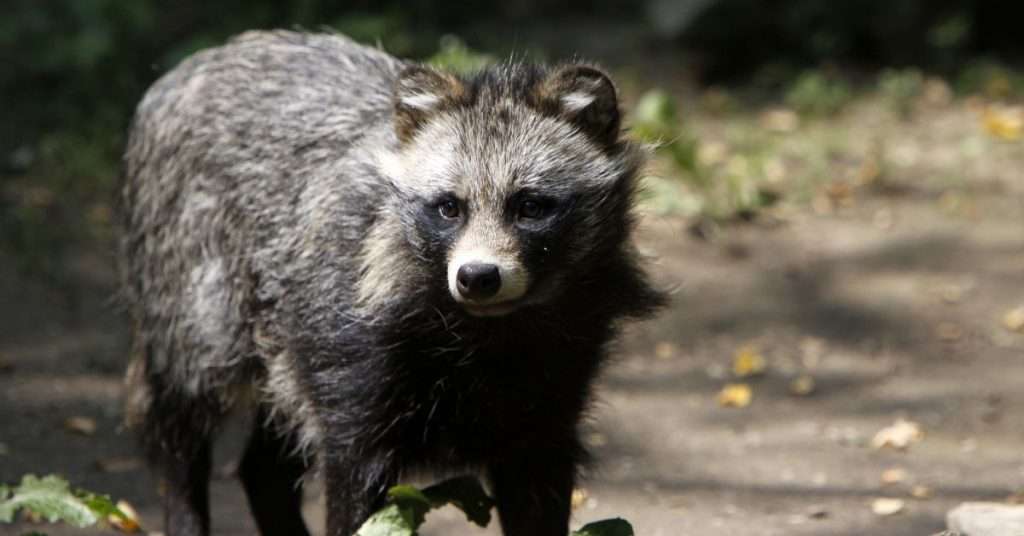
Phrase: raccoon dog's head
(514, 182)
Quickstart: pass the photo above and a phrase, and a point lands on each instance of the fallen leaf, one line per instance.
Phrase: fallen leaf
(128, 523)
(840, 192)
(1016, 498)
(735, 395)
(1013, 320)
(898, 436)
(949, 332)
(1005, 123)
(81, 425)
(748, 362)
(579, 498)
(885, 506)
(894, 476)
(802, 385)
(118, 465)
(664, 350)
(921, 492)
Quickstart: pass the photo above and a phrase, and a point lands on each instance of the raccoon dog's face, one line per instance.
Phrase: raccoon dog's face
(512, 181)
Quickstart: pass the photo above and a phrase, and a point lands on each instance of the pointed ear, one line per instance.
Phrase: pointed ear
(421, 92)
(586, 97)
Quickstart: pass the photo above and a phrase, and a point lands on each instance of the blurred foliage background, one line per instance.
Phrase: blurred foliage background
(74, 69)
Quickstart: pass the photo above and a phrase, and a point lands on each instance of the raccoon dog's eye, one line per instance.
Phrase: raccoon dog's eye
(449, 209)
(531, 209)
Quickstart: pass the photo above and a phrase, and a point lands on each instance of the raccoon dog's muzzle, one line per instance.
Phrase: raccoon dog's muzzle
(486, 283)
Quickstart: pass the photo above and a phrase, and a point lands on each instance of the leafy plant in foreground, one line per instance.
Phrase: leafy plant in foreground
(51, 498)
(408, 506)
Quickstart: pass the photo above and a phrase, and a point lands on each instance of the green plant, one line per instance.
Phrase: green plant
(814, 93)
(656, 121)
(454, 55)
(991, 79)
(51, 498)
(900, 88)
(408, 506)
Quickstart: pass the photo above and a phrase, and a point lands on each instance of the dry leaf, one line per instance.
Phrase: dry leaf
(949, 332)
(921, 492)
(840, 192)
(1005, 123)
(579, 498)
(1013, 320)
(664, 350)
(129, 523)
(898, 436)
(748, 362)
(81, 425)
(894, 476)
(802, 385)
(735, 395)
(885, 506)
(118, 465)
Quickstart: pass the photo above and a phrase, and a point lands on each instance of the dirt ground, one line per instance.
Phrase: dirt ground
(893, 305)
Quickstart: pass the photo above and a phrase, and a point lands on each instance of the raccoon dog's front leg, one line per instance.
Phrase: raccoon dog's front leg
(271, 472)
(356, 486)
(185, 474)
(534, 494)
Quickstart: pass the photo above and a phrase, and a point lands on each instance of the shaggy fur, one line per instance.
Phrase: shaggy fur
(282, 249)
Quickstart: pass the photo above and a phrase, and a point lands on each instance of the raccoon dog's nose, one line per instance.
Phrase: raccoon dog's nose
(478, 281)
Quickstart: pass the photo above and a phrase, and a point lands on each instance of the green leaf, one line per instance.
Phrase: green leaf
(455, 56)
(50, 497)
(101, 505)
(608, 527)
(390, 521)
(466, 494)
(409, 506)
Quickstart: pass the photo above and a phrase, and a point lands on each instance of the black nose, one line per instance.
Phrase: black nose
(478, 281)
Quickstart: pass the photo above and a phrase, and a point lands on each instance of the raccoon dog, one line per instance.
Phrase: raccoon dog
(399, 269)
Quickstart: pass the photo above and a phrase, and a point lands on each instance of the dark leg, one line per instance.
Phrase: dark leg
(534, 494)
(356, 488)
(272, 476)
(175, 433)
(186, 478)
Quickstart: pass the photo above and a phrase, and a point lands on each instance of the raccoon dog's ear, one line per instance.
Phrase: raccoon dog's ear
(419, 93)
(586, 97)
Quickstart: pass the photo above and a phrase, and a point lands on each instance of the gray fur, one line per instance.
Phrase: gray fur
(274, 188)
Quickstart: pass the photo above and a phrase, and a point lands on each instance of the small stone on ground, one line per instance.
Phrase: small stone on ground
(987, 519)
